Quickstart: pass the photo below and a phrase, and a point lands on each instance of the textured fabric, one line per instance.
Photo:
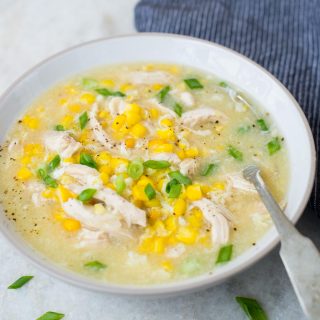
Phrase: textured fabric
(281, 35)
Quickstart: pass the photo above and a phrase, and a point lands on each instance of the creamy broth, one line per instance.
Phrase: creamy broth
(78, 184)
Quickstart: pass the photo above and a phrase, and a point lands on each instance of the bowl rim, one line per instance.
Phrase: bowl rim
(181, 286)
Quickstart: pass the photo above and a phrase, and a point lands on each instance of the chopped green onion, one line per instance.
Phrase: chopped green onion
(208, 171)
(193, 83)
(83, 120)
(87, 160)
(120, 183)
(89, 83)
(135, 169)
(54, 163)
(59, 127)
(20, 282)
(177, 108)
(149, 191)
(173, 188)
(223, 84)
(224, 254)
(243, 129)
(262, 125)
(163, 93)
(252, 308)
(235, 153)
(157, 164)
(274, 146)
(95, 265)
(106, 93)
(86, 195)
(50, 315)
(180, 177)
(48, 180)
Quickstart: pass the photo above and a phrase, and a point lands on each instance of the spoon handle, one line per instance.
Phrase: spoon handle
(299, 255)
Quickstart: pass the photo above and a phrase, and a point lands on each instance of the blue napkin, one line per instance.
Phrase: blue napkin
(281, 35)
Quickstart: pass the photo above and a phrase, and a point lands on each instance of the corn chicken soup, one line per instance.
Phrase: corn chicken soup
(133, 173)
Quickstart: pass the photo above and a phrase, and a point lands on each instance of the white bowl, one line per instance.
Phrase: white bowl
(224, 63)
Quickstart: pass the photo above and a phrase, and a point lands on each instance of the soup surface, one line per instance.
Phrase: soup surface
(132, 173)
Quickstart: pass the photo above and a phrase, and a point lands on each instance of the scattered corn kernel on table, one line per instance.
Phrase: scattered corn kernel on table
(25, 28)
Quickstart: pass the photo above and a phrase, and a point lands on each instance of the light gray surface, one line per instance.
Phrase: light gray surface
(29, 32)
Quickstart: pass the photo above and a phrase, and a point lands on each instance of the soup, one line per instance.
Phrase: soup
(133, 173)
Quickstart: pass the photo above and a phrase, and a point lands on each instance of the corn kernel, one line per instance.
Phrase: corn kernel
(32, 149)
(107, 83)
(58, 216)
(116, 162)
(205, 188)
(179, 207)
(154, 113)
(119, 122)
(87, 98)
(31, 122)
(26, 160)
(166, 134)
(171, 223)
(103, 158)
(219, 186)
(148, 67)
(166, 122)
(70, 89)
(157, 86)
(167, 265)
(139, 131)
(67, 120)
(186, 235)
(104, 114)
(65, 194)
(104, 177)
(107, 169)
(194, 192)
(146, 245)
(192, 152)
(153, 203)
(133, 118)
(158, 245)
(181, 154)
(126, 87)
(48, 194)
(74, 107)
(24, 174)
(69, 160)
(71, 224)
(63, 101)
(154, 214)
(130, 143)
(166, 147)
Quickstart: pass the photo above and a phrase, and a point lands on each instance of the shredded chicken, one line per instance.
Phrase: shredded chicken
(215, 216)
(153, 103)
(62, 143)
(238, 182)
(189, 166)
(171, 157)
(116, 106)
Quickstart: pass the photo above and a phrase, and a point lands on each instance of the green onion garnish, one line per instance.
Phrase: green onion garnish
(235, 153)
(106, 93)
(48, 180)
(95, 265)
(193, 83)
(177, 108)
(149, 191)
(120, 183)
(223, 84)
(157, 164)
(173, 188)
(59, 127)
(224, 254)
(243, 129)
(50, 315)
(135, 169)
(274, 146)
(83, 120)
(89, 83)
(54, 163)
(209, 170)
(262, 125)
(20, 282)
(252, 308)
(87, 160)
(163, 93)
(86, 195)
(180, 177)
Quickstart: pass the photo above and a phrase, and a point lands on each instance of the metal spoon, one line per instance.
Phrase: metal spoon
(299, 255)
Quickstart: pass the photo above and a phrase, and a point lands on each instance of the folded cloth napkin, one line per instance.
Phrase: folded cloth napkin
(281, 35)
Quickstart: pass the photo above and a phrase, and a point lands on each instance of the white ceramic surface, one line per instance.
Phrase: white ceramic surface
(224, 63)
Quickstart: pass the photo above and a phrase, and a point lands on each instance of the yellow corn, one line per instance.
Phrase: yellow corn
(33, 149)
(71, 224)
(166, 147)
(126, 87)
(64, 193)
(157, 86)
(104, 177)
(158, 246)
(104, 114)
(179, 207)
(26, 160)
(146, 245)
(130, 143)
(74, 107)
(63, 101)
(69, 160)
(154, 214)
(181, 154)
(87, 98)
(24, 174)
(139, 131)
(166, 134)
(166, 122)
(154, 113)
(192, 152)
(119, 122)
(152, 203)
(107, 83)
(66, 120)
(171, 223)
(116, 162)
(31, 122)
(70, 89)
(186, 235)
(194, 192)
(219, 186)
(49, 194)
(58, 216)
(133, 118)
(167, 265)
